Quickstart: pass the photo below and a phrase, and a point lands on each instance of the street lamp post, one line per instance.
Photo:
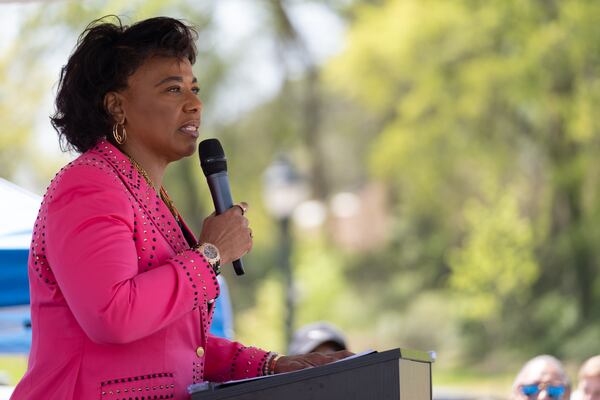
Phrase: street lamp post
(284, 190)
(285, 251)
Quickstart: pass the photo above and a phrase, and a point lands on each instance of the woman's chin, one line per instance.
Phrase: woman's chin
(190, 150)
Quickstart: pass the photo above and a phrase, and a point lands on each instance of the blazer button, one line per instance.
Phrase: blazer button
(200, 351)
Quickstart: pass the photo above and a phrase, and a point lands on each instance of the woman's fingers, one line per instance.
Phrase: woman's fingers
(230, 232)
(294, 363)
(338, 355)
(242, 206)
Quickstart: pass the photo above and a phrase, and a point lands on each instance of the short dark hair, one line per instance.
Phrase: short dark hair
(107, 53)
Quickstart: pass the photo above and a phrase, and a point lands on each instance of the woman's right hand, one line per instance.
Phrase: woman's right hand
(302, 361)
(229, 232)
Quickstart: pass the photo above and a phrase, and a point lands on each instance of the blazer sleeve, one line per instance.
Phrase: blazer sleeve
(91, 251)
(227, 360)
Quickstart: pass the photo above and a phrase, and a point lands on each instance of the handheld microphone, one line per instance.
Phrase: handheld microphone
(214, 166)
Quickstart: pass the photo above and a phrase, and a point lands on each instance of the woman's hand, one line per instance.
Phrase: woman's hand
(302, 361)
(229, 232)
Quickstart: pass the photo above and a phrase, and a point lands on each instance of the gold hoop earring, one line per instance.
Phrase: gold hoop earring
(120, 137)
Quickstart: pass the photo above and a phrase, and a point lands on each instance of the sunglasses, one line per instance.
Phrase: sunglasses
(554, 391)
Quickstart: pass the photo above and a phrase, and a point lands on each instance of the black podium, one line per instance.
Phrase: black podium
(397, 374)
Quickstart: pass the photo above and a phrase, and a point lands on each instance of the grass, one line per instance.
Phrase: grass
(473, 382)
(13, 367)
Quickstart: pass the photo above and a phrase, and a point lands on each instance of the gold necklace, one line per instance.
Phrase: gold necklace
(163, 193)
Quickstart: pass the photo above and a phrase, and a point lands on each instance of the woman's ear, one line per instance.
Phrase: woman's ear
(114, 106)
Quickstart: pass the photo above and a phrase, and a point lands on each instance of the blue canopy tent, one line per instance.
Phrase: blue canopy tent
(17, 216)
(18, 212)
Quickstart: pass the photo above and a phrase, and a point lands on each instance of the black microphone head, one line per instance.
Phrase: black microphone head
(212, 157)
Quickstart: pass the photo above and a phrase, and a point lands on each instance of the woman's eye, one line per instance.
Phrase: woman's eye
(174, 89)
(196, 90)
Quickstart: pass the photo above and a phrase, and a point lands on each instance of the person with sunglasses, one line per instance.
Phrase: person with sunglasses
(542, 377)
(588, 387)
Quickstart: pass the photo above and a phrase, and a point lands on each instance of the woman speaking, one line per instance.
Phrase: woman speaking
(121, 289)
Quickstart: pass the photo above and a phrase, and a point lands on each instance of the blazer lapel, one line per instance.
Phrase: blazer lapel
(146, 197)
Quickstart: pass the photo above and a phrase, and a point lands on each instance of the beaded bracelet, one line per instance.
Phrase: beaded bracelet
(265, 367)
(270, 363)
(274, 363)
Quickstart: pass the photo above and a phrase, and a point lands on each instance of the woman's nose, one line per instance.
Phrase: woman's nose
(543, 395)
(193, 103)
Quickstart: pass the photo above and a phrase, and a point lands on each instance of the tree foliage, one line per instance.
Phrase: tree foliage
(489, 143)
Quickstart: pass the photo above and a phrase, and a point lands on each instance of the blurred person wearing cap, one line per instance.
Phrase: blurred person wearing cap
(318, 337)
(588, 387)
(542, 377)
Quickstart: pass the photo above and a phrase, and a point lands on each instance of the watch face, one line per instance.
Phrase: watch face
(210, 251)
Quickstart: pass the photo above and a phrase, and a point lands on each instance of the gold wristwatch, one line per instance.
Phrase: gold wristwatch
(211, 254)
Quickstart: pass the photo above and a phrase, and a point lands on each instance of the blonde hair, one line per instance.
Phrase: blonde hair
(590, 368)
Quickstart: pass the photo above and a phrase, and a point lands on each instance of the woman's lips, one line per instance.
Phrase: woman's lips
(190, 129)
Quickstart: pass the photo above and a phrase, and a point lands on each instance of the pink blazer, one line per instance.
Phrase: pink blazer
(120, 305)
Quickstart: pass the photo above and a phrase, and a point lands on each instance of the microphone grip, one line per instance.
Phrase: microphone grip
(238, 267)
(220, 192)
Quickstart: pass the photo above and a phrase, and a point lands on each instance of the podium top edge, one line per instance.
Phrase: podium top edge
(417, 355)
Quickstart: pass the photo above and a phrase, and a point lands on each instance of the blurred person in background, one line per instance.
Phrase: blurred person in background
(320, 337)
(122, 291)
(542, 377)
(588, 387)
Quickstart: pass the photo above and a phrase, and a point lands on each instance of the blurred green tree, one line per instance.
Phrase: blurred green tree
(489, 145)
